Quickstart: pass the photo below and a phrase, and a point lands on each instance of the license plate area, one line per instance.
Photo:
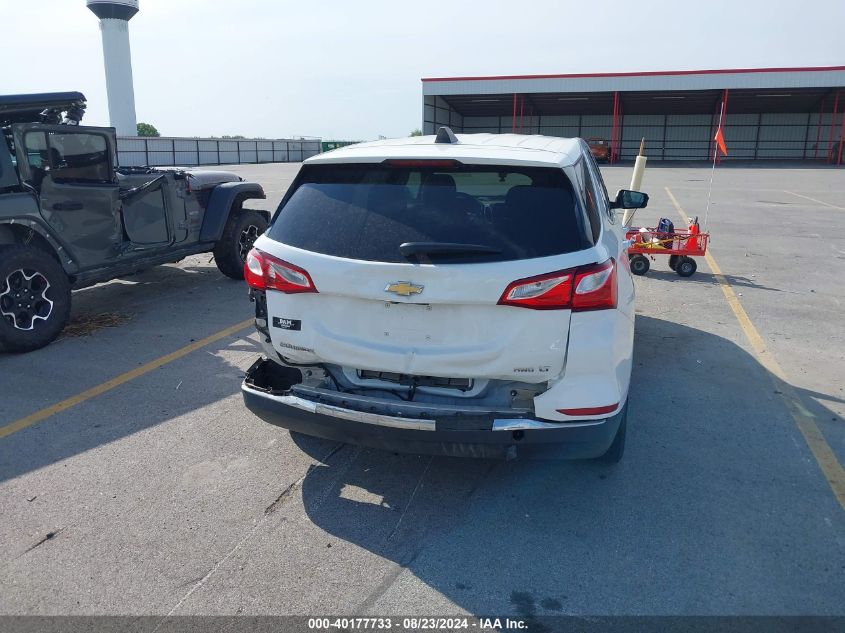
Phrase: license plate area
(409, 323)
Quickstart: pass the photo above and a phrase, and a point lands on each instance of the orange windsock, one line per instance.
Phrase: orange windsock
(720, 141)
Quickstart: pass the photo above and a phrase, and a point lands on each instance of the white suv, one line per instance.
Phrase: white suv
(466, 295)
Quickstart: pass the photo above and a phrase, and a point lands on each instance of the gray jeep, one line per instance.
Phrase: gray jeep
(70, 218)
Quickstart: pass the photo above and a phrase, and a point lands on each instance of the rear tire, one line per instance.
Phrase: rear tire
(673, 261)
(34, 298)
(686, 267)
(614, 454)
(241, 231)
(640, 264)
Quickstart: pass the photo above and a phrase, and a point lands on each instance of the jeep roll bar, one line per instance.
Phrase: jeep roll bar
(66, 108)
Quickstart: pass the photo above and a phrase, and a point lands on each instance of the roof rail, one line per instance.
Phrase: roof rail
(446, 135)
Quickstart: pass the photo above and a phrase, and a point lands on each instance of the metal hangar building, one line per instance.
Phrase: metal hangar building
(769, 113)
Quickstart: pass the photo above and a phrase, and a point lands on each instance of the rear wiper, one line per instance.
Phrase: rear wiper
(444, 249)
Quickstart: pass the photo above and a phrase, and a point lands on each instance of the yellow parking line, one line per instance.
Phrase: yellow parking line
(826, 459)
(827, 204)
(67, 403)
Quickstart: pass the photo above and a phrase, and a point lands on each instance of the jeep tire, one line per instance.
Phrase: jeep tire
(241, 231)
(34, 298)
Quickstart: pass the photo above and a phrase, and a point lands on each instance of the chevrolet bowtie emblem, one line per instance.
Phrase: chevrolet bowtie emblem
(404, 288)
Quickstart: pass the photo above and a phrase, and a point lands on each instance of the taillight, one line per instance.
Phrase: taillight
(265, 272)
(590, 287)
(595, 287)
(551, 291)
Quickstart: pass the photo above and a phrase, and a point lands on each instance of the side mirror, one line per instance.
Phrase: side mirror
(627, 199)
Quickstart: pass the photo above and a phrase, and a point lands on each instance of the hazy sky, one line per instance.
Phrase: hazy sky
(351, 69)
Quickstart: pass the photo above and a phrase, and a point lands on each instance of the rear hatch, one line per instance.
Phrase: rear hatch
(408, 267)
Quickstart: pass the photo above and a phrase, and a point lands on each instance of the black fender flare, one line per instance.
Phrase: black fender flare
(39, 227)
(220, 202)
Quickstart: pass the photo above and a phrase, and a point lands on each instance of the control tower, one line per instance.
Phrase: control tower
(114, 24)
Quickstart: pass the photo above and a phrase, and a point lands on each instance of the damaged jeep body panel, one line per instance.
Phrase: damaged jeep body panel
(85, 214)
(222, 198)
(121, 221)
(71, 217)
(8, 174)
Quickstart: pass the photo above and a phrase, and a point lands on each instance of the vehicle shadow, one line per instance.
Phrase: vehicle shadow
(126, 295)
(150, 285)
(704, 277)
(716, 472)
(167, 308)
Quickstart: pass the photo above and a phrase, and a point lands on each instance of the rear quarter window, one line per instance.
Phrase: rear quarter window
(366, 211)
(591, 201)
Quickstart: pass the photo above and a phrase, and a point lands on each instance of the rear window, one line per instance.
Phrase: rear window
(367, 211)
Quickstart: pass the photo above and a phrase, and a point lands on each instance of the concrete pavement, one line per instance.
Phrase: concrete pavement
(165, 496)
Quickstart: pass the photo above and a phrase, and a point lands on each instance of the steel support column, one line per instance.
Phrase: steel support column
(621, 132)
(521, 110)
(711, 146)
(819, 130)
(841, 139)
(723, 115)
(832, 127)
(614, 130)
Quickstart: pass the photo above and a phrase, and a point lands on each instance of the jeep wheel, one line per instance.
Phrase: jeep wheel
(34, 298)
(240, 234)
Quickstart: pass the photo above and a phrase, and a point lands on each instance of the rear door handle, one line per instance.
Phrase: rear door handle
(67, 206)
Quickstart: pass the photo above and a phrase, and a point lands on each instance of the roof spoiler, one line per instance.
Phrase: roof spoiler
(446, 135)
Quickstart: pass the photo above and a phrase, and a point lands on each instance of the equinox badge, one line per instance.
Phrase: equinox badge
(404, 288)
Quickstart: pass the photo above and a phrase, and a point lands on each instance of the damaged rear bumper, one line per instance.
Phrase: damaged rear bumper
(270, 391)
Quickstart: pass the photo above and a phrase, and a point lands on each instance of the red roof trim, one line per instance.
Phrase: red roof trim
(652, 73)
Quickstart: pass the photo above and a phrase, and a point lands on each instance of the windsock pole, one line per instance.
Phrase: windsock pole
(713, 169)
(636, 182)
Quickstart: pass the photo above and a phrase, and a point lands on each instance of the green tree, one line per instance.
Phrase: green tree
(416, 132)
(147, 129)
